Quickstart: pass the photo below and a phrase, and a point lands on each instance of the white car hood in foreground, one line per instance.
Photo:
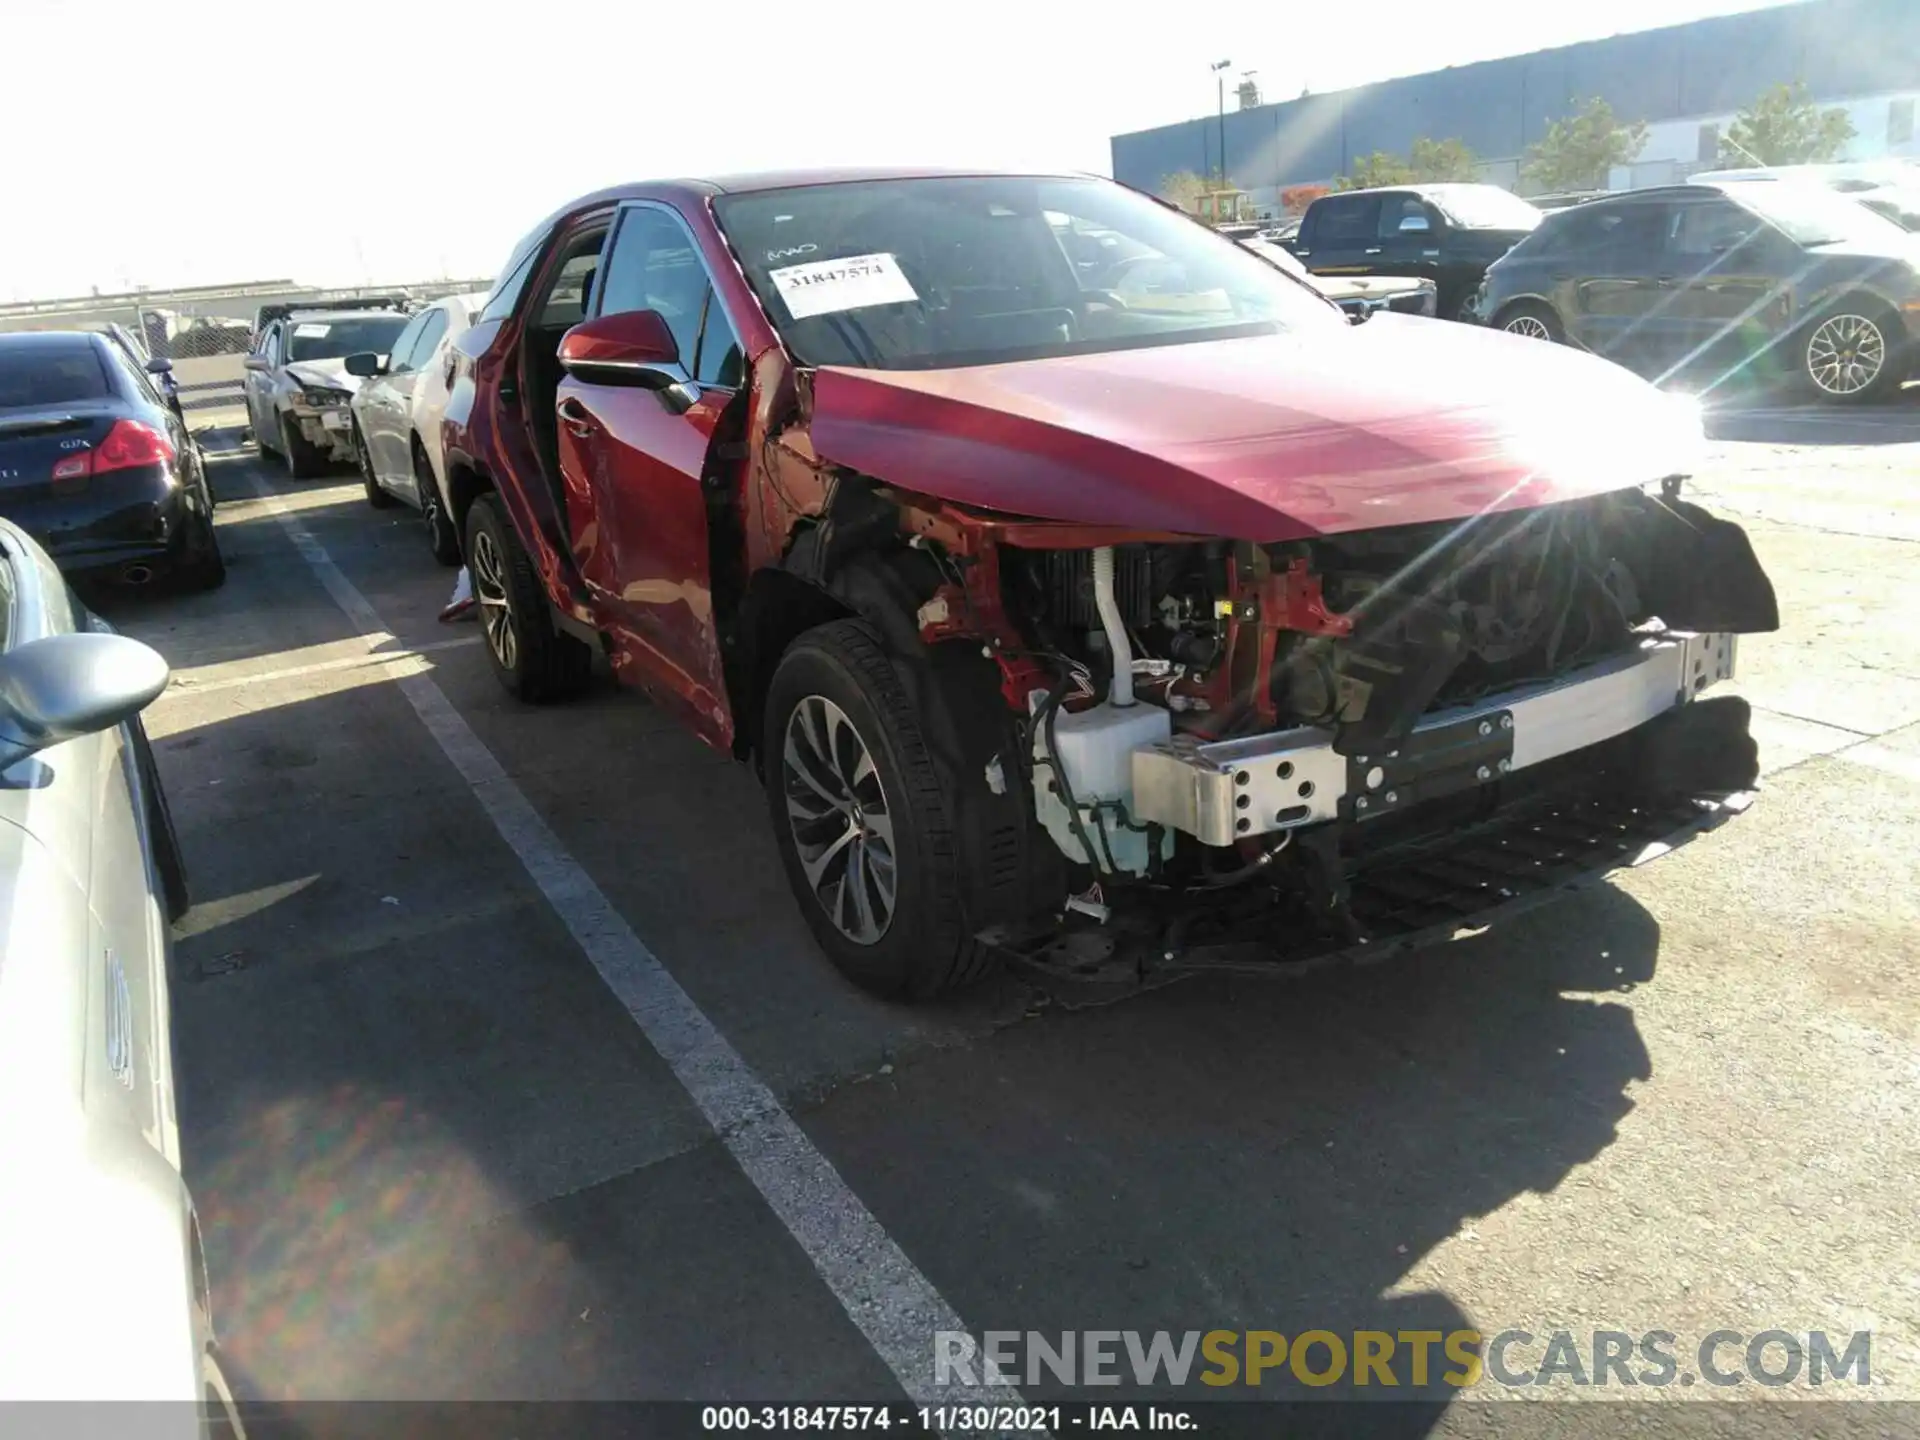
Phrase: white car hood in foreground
(331, 373)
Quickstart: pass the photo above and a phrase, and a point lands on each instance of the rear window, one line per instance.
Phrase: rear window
(38, 374)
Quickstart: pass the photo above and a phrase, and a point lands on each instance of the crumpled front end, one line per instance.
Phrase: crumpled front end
(1269, 755)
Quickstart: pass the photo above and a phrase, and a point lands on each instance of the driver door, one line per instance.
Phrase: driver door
(259, 383)
(633, 462)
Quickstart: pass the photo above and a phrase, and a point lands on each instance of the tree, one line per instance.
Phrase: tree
(1430, 160)
(1784, 127)
(1379, 168)
(1437, 160)
(1295, 199)
(1184, 188)
(1579, 150)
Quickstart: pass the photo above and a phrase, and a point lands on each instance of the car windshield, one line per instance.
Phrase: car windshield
(932, 273)
(332, 339)
(1813, 214)
(1483, 207)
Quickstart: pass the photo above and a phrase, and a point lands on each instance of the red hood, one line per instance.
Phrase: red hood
(1393, 422)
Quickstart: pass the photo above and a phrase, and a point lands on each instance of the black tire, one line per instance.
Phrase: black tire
(363, 457)
(1531, 317)
(1878, 325)
(535, 661)
(304, 461)
(168, 859)
(442, 538)
(925, 948)
(202, 566)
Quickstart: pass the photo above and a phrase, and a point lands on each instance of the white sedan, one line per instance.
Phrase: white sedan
(103, 1289)
(396, 417)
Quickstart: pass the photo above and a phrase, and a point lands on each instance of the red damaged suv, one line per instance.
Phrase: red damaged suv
(1085, 589)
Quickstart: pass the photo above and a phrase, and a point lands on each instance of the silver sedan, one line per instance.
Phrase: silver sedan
(103, 1293)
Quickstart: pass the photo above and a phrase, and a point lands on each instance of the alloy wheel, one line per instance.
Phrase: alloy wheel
(1528, 327)
(842, 829)
(1845, 354)
(489, 576)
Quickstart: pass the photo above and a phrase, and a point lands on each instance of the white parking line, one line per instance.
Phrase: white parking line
(882, 1291)
(186, 684)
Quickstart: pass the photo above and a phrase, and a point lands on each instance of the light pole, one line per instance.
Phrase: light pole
(1220, 78)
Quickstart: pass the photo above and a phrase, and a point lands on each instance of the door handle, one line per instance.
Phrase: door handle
(575, 417)
(1374, 251)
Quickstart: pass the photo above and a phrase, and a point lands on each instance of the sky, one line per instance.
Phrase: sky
(188, 142)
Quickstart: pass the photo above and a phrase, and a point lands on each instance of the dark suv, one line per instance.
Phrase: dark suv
(1761, 279)
(1448, 234)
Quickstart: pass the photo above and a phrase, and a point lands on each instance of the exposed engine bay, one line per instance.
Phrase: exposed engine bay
(1233, 692)
(1368, 631)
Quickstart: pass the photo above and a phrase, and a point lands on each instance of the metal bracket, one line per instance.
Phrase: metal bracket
(1431, 762)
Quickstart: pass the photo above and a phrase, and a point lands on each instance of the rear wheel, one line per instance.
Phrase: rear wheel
(442, 538)
(304, 461)
(202, 566)
(530, 656)
(1849, 353)
(1532, 321)
(376, 497)
(864, 826)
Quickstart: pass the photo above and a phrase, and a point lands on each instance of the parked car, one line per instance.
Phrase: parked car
(1359, 296)
(97, 467)
(396, 417)
(298, 388)
(159, 367)
(1889, 188)
(1066, 629)
(1724, 277)
(1565, 199)
(103, 1291)
(1448, 234)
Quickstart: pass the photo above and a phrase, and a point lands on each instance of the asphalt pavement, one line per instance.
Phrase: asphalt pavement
(451, 1136)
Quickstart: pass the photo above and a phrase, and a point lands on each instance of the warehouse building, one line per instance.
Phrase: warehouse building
(1686, 81)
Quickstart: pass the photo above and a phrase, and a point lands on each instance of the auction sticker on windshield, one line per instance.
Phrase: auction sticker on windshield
(823, 287)
(311, 329)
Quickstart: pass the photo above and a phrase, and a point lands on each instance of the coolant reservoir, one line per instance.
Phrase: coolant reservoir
(1095, 750)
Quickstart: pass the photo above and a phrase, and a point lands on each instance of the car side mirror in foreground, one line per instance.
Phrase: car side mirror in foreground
(159, 365)
(66, 686)
(255, 362)
(635, 347)
(365, 364)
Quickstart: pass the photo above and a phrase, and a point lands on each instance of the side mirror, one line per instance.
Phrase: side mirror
(159, 365)
(635, 347)
(1414, 225)
(66, 686)
(255, 362)
(365, 364)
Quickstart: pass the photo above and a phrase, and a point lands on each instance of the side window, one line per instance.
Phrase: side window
(653, 266)
(430, 334)
(1396, 210)
(720, 362)
(400, 358)
(566, 304)
(506, 292)
(1707, 229)
(1347, 220)
(270, 344)
(136, 380)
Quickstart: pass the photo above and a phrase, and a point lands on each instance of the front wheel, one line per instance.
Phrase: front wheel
(864, 827)
(531, 657)
(1849, 354)
(378, 498)
(1532, 322)
(442, 538)
(304, 461)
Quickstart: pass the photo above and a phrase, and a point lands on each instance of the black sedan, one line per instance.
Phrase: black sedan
(97, 467)
(1738, 280)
